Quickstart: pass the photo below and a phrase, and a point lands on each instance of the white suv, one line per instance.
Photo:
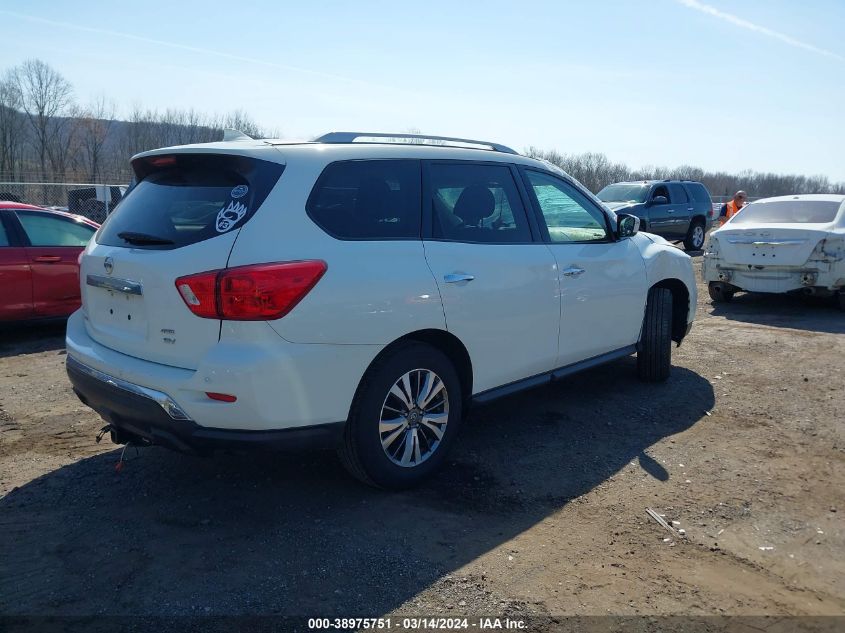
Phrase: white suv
(357, 292)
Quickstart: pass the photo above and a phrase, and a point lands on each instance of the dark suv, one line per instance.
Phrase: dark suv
(679, 210)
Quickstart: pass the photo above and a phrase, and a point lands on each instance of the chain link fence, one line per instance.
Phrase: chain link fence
(93, 200)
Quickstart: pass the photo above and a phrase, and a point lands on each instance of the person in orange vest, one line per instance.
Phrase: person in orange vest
(732, 207)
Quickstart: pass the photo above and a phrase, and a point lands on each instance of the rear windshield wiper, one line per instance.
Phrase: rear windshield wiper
(143, 238)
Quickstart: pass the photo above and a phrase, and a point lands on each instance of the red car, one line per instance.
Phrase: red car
(39, 267)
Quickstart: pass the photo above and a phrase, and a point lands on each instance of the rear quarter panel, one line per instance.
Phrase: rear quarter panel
(372, 293)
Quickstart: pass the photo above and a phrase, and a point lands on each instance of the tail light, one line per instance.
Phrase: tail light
(712, 247)
(260, 292)
(830, 249)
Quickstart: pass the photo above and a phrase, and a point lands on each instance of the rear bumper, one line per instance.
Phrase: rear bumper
(144, 415)
(278, 385)
(774, 279)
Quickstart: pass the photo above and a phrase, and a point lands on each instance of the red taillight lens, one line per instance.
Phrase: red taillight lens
(199, 293)
(261, 292)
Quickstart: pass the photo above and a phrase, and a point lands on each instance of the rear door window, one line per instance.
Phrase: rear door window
(679, 194)
(45, 229)
(187, 198)
(368, 200)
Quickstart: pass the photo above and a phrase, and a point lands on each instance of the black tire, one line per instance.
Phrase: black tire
(719, 292)
(361, 451)
(694, 241)
(841, 299)
(654, 355)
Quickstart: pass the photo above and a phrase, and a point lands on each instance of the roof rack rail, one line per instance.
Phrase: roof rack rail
(350, 137)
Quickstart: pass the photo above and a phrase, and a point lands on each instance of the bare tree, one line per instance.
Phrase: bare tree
(240, 120)
(137, 136)
(63, 143)
(595, 171)
(94, 128)
(45, 95)
(11, 125)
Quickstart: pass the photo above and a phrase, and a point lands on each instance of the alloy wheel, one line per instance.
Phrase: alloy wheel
(413, 418)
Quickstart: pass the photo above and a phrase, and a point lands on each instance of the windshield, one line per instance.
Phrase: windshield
(788, 211)
(623, 193)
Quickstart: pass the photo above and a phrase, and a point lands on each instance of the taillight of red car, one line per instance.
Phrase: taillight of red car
(259, 292)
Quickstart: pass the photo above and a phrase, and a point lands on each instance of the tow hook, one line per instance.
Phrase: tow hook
(808, 279)
(115, 436)
(106, 429)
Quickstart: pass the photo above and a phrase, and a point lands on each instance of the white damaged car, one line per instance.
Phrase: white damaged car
(779, 245)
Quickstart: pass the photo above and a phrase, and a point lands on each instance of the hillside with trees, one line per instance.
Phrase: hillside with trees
(46, 135)
(595, 171)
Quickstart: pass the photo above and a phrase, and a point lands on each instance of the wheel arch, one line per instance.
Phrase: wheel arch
(680, 306)
(445, 342)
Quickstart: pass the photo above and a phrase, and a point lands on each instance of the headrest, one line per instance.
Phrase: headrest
(475, 203)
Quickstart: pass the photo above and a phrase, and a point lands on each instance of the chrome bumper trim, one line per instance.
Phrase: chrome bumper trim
(162, 399)
(759, 242)
(126, 286)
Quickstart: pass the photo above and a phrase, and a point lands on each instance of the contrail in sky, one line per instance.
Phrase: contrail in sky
(192, 49)
(751, 26)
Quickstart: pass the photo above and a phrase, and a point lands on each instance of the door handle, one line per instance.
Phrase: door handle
(690, 209)
(573, 272)
(670, 210)
(455, 278)
(49, 259)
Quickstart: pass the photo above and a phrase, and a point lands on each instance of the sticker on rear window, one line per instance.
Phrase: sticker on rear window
(230, 216)
(240, 191)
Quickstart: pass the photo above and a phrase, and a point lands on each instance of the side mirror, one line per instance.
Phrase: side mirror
(660, 200)
(626, 225)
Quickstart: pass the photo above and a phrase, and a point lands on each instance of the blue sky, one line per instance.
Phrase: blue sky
(738, 85)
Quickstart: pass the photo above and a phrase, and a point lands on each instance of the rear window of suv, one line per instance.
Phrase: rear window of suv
(187, 198)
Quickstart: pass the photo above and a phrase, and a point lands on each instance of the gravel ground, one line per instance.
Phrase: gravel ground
(541, 512)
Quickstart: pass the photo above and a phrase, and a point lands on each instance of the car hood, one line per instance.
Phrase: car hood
(655, 239)
(620, 206)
